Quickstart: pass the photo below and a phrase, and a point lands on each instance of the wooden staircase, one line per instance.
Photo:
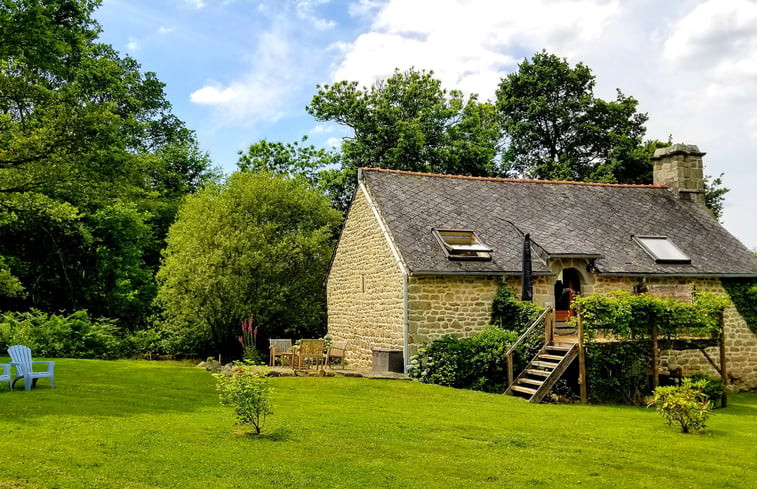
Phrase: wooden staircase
(541, 374)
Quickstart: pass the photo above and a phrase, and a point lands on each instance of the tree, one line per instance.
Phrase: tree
(409, 122)
(555, 128)
(92, 164)
(318, 166)
(260, 245)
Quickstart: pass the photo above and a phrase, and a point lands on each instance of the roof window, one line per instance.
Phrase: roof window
(662, 249)
(462, 245)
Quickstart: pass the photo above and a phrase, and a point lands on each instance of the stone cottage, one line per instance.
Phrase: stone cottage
(422, 255)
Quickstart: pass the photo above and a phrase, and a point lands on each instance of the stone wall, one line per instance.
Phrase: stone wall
(364, 289)
(448, 305)
(741, 343)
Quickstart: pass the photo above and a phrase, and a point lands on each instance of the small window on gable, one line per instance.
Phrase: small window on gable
(662, 249)
(462, 245)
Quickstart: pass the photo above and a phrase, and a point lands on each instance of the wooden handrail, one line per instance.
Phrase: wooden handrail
(528, 331)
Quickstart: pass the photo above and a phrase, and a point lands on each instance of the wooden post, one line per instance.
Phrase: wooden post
(581, 359)
(655, 359)
(549, 326)
(723, 369)
(509, 369)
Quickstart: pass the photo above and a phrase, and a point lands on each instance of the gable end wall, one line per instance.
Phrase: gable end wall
(364, 290)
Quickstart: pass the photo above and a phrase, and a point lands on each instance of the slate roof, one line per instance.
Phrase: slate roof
(568, 218)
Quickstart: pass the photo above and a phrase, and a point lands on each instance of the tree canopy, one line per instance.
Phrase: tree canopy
(258, 244)
(92, 164)
(409, 122)
(556, 128)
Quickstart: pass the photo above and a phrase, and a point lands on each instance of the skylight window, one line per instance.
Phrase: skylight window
(662, 249)
(462, 245)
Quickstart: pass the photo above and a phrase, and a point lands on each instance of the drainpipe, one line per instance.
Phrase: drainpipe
(400, 265)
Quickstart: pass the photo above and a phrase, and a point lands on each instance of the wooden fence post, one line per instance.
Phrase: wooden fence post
(509, 369)
(549, 326)
(581, 359)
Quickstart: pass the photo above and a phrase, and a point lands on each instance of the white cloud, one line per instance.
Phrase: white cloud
(305, 10)
(469, 44)
(262, 94)
(196, 4)
(322, 129)
(132, 44)
(335, 143)
(165, 30)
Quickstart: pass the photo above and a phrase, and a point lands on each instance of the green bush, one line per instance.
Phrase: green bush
(686, 404)
(511, 314)
(478, 362)
(619, 371)
(713, 388)
(248, 392)
(52, 335)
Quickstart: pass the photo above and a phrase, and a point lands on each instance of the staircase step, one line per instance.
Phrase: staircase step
(540, 373)
(546, 356)
(559, 347)
(526, 390)
(544, 364)
(535, 382)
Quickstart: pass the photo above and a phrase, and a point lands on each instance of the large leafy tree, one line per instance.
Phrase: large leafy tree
(410, 122)
(92, 163)
(260, 245)
(556, 128)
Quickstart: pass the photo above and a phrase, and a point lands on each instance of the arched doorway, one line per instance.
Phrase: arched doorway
(566, 290)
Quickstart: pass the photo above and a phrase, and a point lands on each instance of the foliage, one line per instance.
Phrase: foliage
(633, 316)
(618, 372)
(92, 164)
(743, 294)
(713, 389)
(248, 392)
(408, 122)
(318, 166)
(714, 195)
(510, 313)
(686, 404)
(258, 244)
(557, 129)
(53, 335)
(478, 362)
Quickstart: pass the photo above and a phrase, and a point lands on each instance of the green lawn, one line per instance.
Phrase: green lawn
(131, 424)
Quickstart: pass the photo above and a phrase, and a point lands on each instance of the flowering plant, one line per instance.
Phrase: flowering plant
(249, 337)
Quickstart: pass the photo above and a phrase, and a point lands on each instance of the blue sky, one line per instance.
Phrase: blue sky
(239, 71)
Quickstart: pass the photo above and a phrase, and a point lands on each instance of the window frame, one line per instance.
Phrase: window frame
(483, 252)
(685, 260)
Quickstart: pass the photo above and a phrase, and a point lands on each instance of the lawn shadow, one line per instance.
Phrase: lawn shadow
(278, 434)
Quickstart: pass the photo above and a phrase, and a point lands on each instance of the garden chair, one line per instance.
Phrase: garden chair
(310, 353)
(336, 350)
(21, 358)
(6, 375)
(282, 349)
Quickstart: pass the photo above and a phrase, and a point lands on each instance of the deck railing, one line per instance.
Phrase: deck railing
(548, 317)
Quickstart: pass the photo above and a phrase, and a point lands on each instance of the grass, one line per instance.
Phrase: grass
(131, 424)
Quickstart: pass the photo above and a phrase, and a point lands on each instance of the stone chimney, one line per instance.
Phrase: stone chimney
(679, 167)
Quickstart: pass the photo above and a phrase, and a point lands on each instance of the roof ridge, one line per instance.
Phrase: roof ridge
(512, 180)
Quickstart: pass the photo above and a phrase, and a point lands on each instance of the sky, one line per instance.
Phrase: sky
(238, 71)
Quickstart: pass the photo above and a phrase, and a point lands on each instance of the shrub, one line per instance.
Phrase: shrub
(618, 372)
(511, 314)
(713, 388)
(52, 335)
(248, 392)
(478, 362)
(686, 404)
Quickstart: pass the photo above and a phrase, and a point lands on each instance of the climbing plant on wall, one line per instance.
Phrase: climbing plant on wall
(743, 294)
